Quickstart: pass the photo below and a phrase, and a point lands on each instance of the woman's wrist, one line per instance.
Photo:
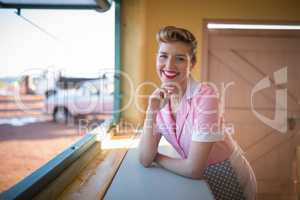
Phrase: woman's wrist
(156, 158)
(151, 113)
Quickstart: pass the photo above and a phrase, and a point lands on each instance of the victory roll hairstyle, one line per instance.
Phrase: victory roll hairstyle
(170, 34)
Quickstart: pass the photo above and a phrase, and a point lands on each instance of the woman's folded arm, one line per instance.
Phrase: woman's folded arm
(149, 141)
(193, 166)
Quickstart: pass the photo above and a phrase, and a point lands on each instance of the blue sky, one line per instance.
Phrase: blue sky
(84, 44)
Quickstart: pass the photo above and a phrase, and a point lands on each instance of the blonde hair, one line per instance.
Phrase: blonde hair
(170, 34)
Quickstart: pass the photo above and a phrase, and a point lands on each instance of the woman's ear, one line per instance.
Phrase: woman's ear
(191, 68)
(193, 65)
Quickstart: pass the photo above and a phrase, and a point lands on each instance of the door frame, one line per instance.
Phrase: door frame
(205, 56)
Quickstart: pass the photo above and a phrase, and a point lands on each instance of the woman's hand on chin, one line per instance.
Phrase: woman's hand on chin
(157, 100)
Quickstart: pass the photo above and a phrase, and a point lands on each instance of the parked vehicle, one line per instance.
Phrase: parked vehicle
(92, 97)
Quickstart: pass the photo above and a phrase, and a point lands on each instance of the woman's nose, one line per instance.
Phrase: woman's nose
(170, 63)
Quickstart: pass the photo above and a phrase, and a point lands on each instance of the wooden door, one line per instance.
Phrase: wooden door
(245, 58)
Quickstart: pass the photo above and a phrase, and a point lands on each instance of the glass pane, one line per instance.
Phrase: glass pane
(56, 76)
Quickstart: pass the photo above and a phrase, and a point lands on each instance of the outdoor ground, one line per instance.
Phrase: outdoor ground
(24, 149)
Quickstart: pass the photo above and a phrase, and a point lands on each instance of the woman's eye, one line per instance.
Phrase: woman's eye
(180, 59)
(163, 56)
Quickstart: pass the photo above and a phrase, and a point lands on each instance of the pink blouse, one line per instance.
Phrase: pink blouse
(197, 119)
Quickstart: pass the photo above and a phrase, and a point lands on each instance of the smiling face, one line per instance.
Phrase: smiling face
(173, 63)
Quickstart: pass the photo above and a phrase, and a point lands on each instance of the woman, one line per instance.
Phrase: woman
(185, 112)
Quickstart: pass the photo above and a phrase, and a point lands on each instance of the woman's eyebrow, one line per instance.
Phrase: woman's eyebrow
(161, 52)
(177, 55)
(181, 55)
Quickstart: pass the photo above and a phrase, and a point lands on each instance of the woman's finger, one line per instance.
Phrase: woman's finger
(171, 89)
(164, 93)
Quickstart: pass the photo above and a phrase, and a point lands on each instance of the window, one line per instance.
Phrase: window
(46, 44)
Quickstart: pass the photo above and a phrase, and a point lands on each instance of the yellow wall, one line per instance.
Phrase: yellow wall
(133, 55)
(141, 19)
